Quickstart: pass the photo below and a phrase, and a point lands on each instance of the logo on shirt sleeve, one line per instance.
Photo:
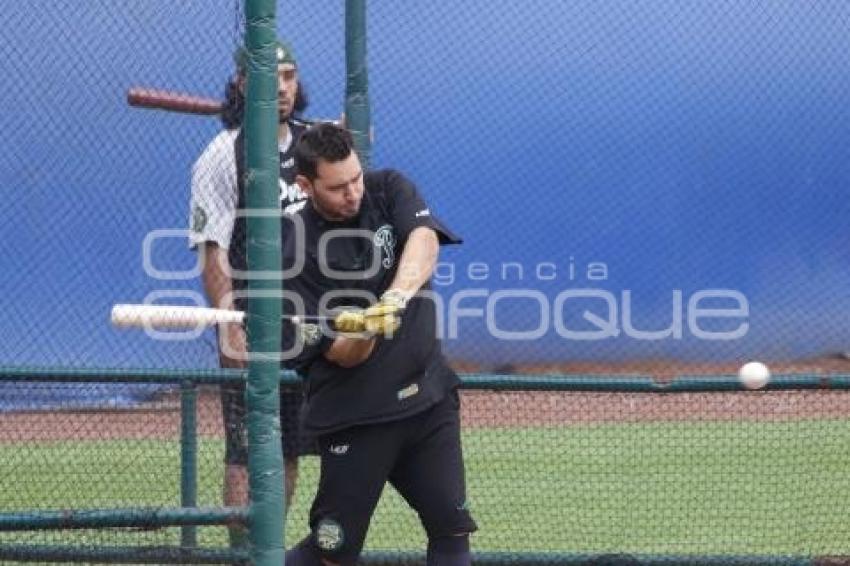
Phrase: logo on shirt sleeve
(199, 219)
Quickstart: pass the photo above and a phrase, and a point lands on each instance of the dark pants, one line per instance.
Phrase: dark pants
(235, 430)
(420, 456)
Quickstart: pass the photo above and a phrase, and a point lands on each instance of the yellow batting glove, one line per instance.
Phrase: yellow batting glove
(382, 319)
(350, 321)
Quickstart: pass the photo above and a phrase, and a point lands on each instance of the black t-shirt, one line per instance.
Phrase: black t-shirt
(404, 375)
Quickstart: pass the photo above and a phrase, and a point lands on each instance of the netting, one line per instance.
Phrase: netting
(648, 188)
(106, 456)
(567, 472)
(629, 150)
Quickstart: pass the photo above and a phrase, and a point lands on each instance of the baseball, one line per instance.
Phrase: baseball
(754, 375)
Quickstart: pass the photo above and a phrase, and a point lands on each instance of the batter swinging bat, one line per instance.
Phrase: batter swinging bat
(173, 101)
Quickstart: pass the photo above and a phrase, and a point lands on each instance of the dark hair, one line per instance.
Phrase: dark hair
(322, 141)
(233, 112)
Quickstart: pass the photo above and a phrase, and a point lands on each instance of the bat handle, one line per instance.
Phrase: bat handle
(295, 319)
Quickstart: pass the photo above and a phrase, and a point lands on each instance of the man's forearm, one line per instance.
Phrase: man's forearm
(417, 261)
(219, 291)
(217, 285)
(349, 352)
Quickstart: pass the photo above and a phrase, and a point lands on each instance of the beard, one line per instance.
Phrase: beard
(338, 214)
(284, 114)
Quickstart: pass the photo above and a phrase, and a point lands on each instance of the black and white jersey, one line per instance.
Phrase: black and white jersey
(217, 193)
(218, 197)
(352, 263)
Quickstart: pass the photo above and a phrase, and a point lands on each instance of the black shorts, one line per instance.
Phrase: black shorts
(420, 456)
(236, 434)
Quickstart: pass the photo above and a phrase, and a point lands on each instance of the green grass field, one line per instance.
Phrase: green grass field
(665, 488)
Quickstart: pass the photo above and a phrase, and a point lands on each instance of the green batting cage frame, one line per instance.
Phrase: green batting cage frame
(262, 162)
(585, 468)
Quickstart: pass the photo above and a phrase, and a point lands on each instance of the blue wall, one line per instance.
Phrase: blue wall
(684, 145)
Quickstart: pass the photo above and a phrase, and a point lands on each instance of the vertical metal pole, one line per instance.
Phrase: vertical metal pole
(188, 457)
(357, 109)
(265, 461)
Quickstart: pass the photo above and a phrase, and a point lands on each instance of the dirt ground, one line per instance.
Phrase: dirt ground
(546, 408)
(161, 419)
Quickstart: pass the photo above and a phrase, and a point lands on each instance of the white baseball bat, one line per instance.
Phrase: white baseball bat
(179, 316)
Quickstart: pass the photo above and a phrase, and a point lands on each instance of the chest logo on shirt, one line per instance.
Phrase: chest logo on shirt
(290, 193)
(385, 239)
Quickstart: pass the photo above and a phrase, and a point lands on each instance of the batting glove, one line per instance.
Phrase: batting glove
(384, 317)
(350, 321)
(377, 319)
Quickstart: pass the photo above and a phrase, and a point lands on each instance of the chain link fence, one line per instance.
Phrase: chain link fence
(654, 188)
